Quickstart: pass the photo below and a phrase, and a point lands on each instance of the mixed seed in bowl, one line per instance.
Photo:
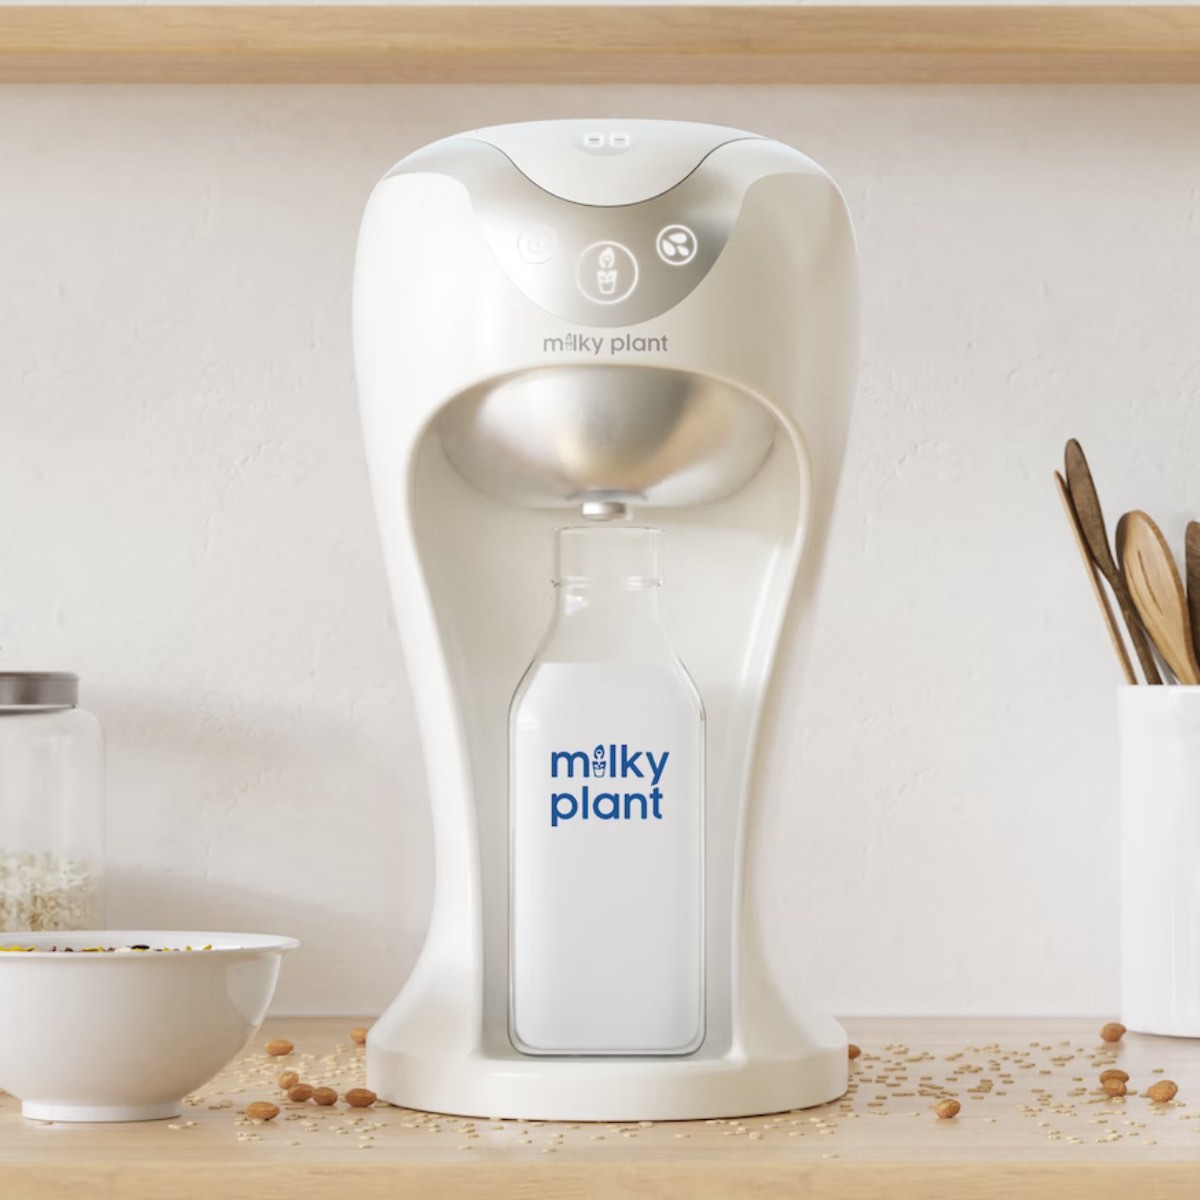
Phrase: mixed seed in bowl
(98, 949)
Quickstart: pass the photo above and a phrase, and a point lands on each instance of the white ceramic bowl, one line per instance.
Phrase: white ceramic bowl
(124, 1037)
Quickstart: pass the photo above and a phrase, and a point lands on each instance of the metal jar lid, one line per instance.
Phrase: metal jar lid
(38, 689)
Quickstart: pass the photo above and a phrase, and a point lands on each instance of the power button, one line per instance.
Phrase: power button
(536, 244)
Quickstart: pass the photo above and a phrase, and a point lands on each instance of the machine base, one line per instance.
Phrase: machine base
(610, 1089)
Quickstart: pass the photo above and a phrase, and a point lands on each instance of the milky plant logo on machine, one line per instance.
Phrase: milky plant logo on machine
(630, 789)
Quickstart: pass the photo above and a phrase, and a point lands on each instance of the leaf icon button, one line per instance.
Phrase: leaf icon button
(677, 245)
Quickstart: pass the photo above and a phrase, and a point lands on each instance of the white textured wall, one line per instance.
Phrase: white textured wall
(185, 518)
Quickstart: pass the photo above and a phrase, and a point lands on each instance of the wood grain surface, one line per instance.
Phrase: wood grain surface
(74, 43)
(1034, 1122)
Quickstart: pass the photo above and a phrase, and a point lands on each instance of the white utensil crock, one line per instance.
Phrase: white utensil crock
(1159, 742)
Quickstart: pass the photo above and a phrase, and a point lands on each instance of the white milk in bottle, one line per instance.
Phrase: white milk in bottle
(606, 800)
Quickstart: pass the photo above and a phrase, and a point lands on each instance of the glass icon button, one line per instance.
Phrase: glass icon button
(537, 244)
(677, 245)
(607, 273)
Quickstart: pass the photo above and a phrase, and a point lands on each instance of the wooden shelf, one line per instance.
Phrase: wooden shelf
(605, 45)
(1034, 1122)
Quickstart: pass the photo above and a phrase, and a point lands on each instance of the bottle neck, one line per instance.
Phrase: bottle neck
(607, 597)
(577, 599)
(607, 622)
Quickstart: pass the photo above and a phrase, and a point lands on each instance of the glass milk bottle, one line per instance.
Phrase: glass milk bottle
(606, 801)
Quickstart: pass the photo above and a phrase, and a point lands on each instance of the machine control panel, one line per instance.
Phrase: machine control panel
(611, 266)
(594, 265)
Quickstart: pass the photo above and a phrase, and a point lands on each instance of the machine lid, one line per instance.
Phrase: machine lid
(607, 162)
(38, 689)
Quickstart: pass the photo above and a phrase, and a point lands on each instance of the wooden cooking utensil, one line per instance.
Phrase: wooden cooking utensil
(1091, 521)
(1093, 574)
(1192, 571)
(1157, 592)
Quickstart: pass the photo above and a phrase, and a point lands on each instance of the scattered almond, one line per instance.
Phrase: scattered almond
(1114, 1031)
(360, 1097)
(262, 1110)
(288, 1080)
(300, 1093)
(1114, 1073)
(948, 1108)
(853, 1050)
(1113, 1086)
(279, 1046)
(324, 1095)
(358, 1035)
(1163, 1090)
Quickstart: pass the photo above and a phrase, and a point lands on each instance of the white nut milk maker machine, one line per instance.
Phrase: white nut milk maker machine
(605, 371)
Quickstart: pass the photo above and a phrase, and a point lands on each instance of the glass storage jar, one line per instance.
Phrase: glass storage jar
(51, 805)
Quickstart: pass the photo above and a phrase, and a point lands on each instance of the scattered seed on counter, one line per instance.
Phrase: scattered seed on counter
(358, 1035)
(278, 1047)
(946, 1109)
(1114, 1031)
(288, 1080)
(300, 1092)
(1062, 1114)
(262, 1110)
(1163, 1090)
(360, 1097)
(325, 1096)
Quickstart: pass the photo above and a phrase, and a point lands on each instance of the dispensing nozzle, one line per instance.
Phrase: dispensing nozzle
(604, 510)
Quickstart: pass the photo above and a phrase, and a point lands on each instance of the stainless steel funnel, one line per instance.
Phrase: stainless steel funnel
(600, 435)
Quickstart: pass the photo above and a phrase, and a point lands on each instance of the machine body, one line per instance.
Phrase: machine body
(577, 320)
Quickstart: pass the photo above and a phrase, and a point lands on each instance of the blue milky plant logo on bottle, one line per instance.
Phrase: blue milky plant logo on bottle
(632, 775)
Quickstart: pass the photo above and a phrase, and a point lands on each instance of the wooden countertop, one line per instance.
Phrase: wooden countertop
(1033, 1123)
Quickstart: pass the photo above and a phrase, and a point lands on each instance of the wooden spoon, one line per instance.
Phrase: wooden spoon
(1091, 521)
(1157, 592)
(1094, 577)
(1192, 571)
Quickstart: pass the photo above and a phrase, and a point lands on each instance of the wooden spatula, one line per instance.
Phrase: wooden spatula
(1157, 592)
(1094, 576)
(1091, 521)
(1191, 570)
